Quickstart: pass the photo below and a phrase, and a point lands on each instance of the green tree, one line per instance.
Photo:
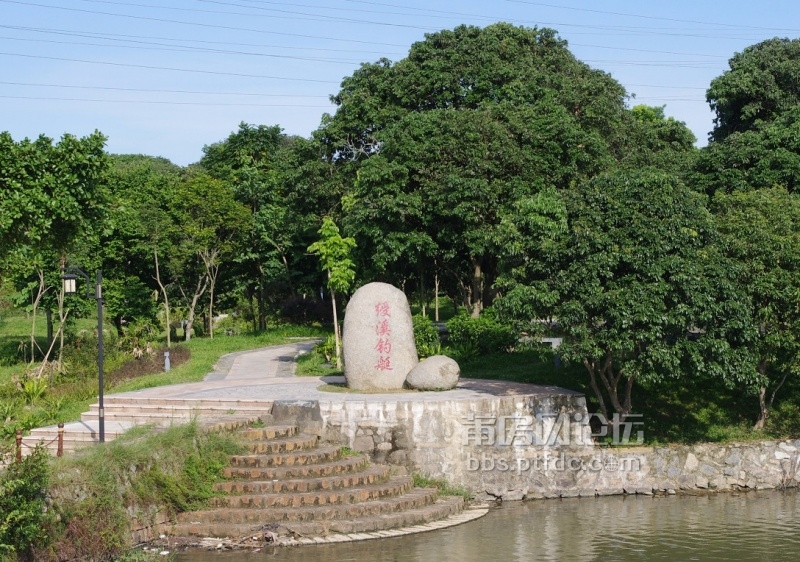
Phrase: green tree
(658, 141)
(140, 232)
(437, 147)
(764, 156)
(267, 170)
(334, 256)
(760, 86)
(49, 193)
(632, 278)
(210, 221)
(761, 231)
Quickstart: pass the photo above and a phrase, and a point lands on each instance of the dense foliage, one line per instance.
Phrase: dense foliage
(489, 166)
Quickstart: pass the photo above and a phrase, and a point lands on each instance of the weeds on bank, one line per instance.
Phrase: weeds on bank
(444, 488)
(81, 506)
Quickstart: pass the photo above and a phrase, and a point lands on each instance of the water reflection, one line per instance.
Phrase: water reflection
(754, 526)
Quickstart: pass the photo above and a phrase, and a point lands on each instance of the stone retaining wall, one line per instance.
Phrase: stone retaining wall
(442, 440)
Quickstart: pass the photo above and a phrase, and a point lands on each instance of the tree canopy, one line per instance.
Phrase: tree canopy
(760, 85)
(632, 278)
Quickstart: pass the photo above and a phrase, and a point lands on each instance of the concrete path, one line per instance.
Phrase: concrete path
(268, 374)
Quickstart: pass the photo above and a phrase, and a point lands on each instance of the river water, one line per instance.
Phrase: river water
(761, 526)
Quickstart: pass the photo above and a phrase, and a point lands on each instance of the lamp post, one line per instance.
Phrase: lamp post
(69, 278)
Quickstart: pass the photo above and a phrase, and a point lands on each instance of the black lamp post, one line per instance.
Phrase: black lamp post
(69, 279)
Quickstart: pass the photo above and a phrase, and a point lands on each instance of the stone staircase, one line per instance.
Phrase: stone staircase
(291, 489)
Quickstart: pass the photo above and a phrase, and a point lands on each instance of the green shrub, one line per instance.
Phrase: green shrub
(426, 336)
(327, 348)
(231, 325)
(25, 519)
(485, 334)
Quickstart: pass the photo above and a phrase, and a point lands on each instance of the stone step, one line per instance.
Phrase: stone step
(313, 456)
(367, 477)
(435, 511)
(181, 410)
(285, 445)
(414, 498)
(232, 403)
(340, 466)
(266, 433)
(162, 418)
(443, 507)
(394, 486)
(371, 475)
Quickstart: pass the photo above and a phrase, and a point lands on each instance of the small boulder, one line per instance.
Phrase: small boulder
(434, 373)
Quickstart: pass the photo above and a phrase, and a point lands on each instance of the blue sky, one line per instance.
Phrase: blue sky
(165, 78)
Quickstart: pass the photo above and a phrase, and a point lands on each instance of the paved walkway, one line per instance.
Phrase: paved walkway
(268, 374)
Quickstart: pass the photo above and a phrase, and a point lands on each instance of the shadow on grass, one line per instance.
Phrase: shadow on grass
(681, 410)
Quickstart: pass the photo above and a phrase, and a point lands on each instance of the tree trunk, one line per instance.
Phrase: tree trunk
(336, 334)
(260, 298)
(62, 318)
(477, 290)
(763, 409)
(436, 297)
(764, 405)
(288, 275)
(39, 294)
(211, 304)
(202, 283)
(48, 313)
(211, 264)
(610, 382)
(166, 299)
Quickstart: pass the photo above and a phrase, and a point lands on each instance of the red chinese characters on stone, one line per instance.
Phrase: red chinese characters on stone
(382, 310)
(384, 346)
(384, 364)
(383, 331)
(382, 328)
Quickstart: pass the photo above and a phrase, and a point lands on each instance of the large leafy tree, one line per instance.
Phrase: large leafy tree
(754, 143)
(628, 269)
(438, 146)
(211, 221)
(764, 156)
(761, 232)
(760, 86)
(658, 141)
(140, 233)
(50, 192)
